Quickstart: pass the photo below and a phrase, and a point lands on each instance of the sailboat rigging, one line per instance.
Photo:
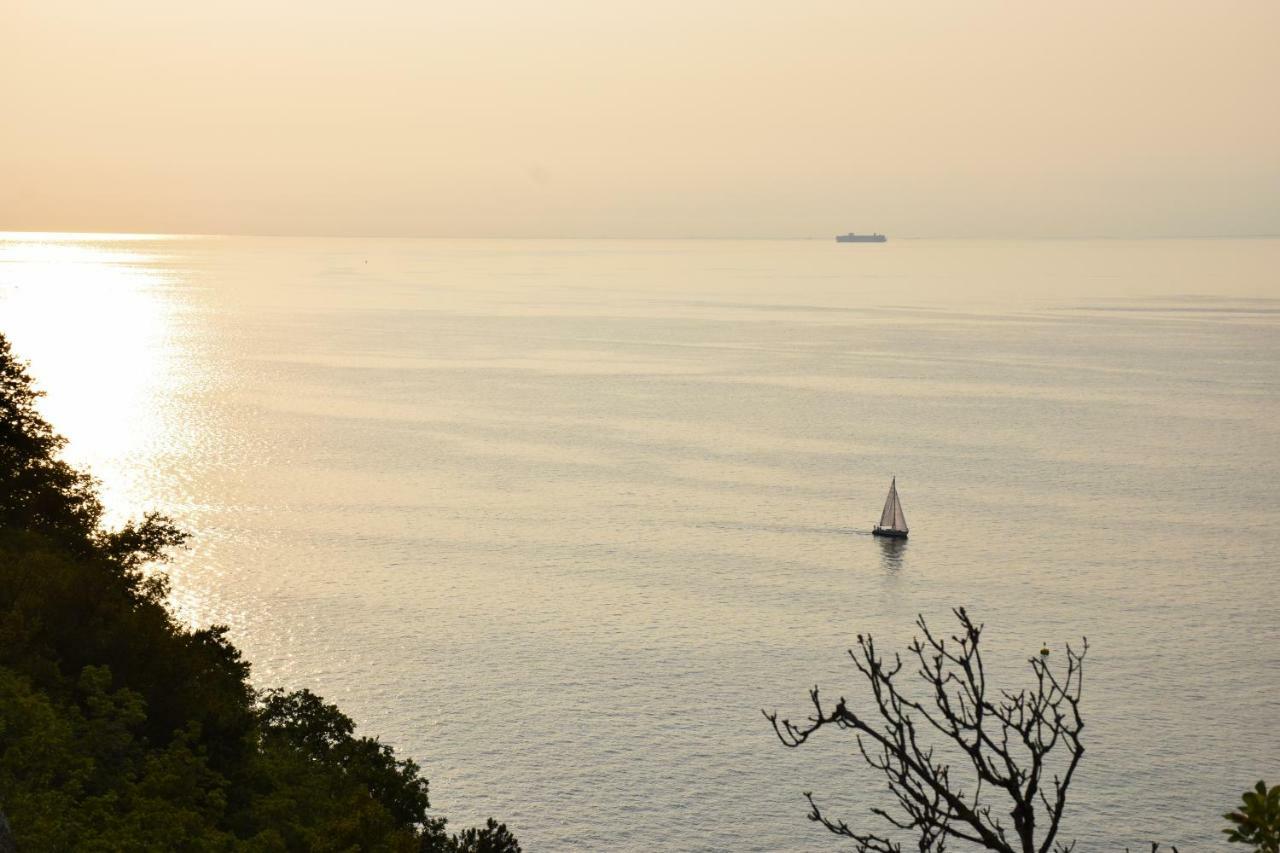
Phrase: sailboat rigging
(892, 522)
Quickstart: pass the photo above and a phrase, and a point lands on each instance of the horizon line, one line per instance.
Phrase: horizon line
(159, 235)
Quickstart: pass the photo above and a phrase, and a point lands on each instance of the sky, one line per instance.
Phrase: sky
(663, 118)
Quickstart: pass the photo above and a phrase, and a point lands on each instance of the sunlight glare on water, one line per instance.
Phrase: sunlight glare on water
(95, 318)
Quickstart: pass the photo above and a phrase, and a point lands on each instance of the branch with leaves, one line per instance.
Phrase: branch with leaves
(1257, 821)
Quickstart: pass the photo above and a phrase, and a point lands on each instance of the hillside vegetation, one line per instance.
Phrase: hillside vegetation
(123, 729)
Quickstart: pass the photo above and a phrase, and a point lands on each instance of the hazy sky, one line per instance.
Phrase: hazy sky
(656, 118)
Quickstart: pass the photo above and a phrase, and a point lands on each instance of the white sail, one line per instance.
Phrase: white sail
(899, 520)
(892, 518)
(886, 517)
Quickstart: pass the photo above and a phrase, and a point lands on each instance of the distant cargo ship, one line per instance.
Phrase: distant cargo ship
(860, 238)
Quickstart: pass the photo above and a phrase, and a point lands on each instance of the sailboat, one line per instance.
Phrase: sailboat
(892, 522)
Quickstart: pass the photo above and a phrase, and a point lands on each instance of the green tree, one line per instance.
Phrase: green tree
(121, 728)
(492, 838)
(1257, 821)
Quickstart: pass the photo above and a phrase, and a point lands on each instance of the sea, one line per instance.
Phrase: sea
(559, 519)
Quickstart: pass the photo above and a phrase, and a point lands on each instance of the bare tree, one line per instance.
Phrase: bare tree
(1002, 740)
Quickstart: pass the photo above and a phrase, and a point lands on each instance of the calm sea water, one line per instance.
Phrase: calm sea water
(558, 519)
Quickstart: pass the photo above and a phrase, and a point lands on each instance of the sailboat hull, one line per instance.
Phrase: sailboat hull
(892, 534)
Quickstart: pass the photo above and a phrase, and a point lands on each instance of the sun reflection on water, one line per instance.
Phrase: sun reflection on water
(94, 316)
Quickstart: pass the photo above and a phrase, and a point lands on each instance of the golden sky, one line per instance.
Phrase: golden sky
(676, 118)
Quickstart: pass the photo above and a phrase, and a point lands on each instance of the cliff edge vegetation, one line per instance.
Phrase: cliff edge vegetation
(121, 728)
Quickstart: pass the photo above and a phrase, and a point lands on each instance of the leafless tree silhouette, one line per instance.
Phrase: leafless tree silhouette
(1002, 740)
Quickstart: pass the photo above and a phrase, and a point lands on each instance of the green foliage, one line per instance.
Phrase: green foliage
(493, 838)
(1257, 821)
(121, 729)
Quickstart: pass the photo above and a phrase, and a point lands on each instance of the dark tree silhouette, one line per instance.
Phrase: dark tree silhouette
(1018, 751)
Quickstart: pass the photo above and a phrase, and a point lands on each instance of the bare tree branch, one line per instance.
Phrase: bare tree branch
(1022, 749)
